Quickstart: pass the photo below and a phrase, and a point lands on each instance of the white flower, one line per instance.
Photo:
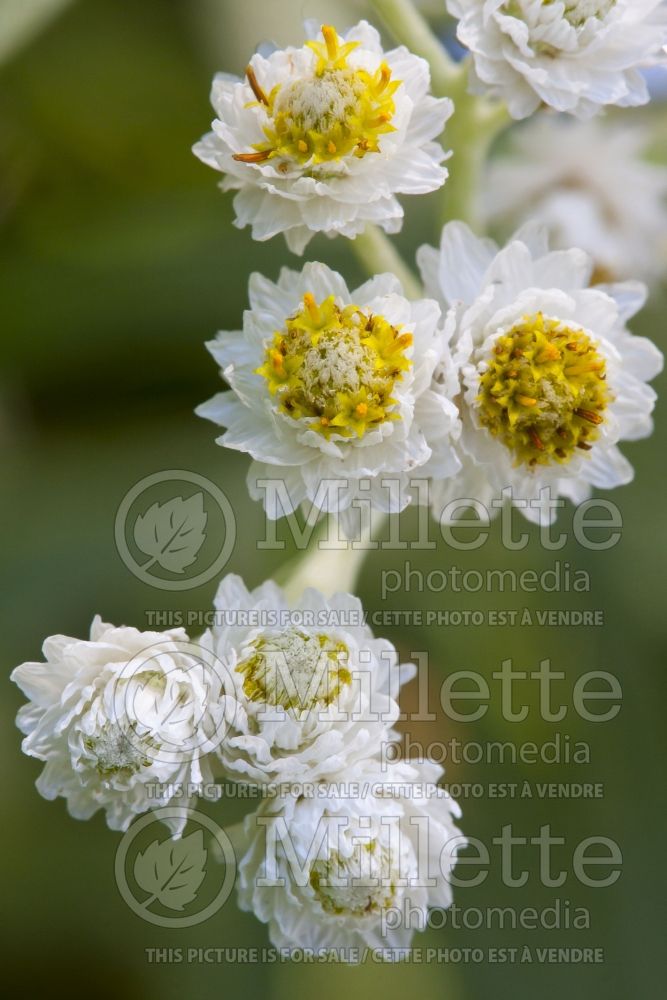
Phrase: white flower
(552, 379)
(123, 721)
(311, 689)
(590, 184)
(322, 138)
(357, 866)
(573, 55)
(336, 387)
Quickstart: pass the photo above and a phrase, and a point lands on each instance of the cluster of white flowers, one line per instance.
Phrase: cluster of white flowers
(514, 373)
(125, 720)
(527, 380)
(571, 55)
(517, 371)
(593, 186)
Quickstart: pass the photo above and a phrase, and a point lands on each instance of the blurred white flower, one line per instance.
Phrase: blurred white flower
(552, 379)
(352, 867)
(336, 387)
(322, 138)
(310, 691)
(590, 184)
(122, 720)
(573, 55)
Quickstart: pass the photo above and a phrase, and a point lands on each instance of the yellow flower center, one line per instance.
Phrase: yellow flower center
(295, 670)
(360, 885)
(337, 366)
(335, 111)
(543, 393)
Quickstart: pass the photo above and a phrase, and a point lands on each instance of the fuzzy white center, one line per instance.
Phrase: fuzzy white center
(336, 364)
(578, 12)
(319, 103)
(294, 670)
(360, 885)
(115, 751)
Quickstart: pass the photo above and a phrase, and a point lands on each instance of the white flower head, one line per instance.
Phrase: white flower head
(592, 186)
(322, 138)
(124, 721)
(552, 379)
(572, 55)
(357, 866)
(311, 691)
(336, 387)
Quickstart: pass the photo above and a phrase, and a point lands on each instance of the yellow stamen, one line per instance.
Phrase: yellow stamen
(593, 366)
(256, 89)
(259, 157)
(590, 416)
(550, 353)
(331, 38)
(535, 438)
(385, 77)
(311, 306)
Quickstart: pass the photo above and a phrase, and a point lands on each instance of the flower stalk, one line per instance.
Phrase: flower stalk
(476, 121)
(332, 569)
(377, 255)
(409, 27)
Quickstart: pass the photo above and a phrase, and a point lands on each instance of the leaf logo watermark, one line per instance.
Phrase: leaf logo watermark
(172, 533)
(172, 871)
(175, 883)
(174, 538)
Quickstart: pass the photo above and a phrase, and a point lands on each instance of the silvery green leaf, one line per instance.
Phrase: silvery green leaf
(172, 871)
(172, 533)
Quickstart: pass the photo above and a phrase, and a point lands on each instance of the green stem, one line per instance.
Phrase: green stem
(476, 121)
(378, 254)
(410, 28)
(470, 133)
(330, 569)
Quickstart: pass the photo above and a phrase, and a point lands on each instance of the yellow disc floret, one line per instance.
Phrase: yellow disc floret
(337, 366)
(543, 392)
(333, 112)
(295, 670)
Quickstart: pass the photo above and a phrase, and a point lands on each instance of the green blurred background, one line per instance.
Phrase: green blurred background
(117, 261)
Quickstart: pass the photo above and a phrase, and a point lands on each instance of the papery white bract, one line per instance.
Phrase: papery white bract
(322, 138)
(551, 377)
(327, 872)
(573, 55)
(592, 186)
(336, 387)
(124, 721)
(311, 692)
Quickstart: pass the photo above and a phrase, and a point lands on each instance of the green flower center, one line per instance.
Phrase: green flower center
(361, 885)
(577, 12)
(338, 366)
(543, 392)
(116, 753)
(295, 670)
